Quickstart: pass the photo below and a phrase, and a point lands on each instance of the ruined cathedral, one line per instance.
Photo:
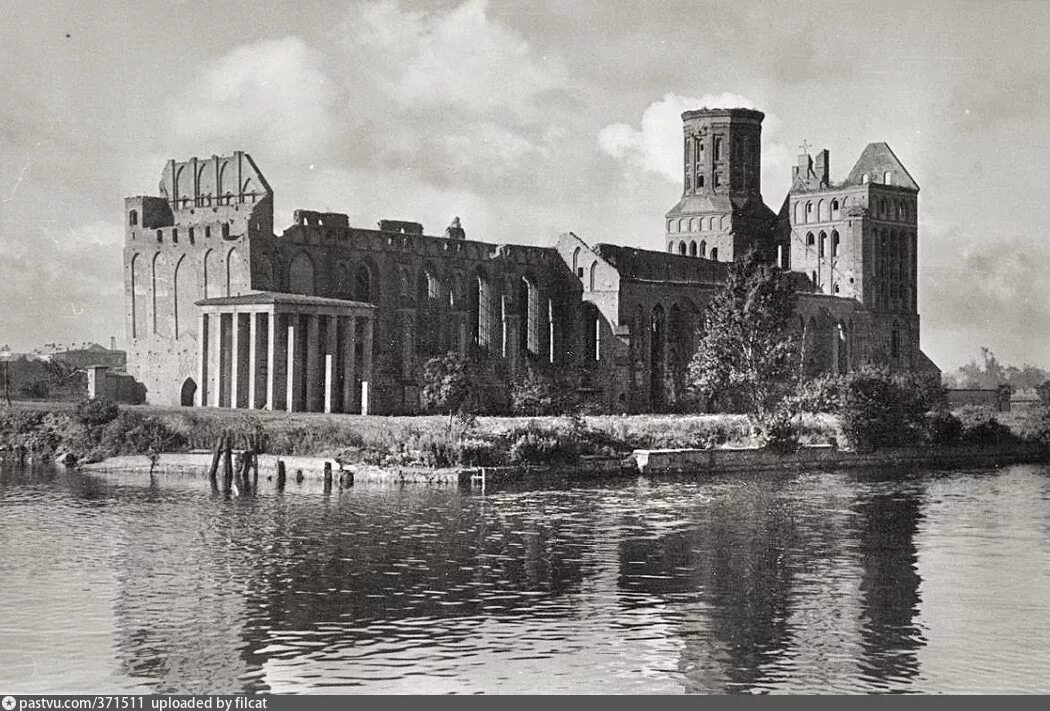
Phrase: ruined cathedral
(326, 317)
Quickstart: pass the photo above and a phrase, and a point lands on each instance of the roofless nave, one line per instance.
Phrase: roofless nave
(328, 317)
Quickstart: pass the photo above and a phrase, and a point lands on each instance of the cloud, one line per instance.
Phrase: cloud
(656, 145)
(273, 93)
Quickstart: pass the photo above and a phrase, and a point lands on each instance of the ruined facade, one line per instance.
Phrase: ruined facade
(208, 285)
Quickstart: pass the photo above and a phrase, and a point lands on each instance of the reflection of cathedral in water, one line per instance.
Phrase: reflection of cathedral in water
(748, 585)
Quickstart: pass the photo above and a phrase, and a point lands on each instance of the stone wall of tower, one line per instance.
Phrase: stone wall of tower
(188, 244)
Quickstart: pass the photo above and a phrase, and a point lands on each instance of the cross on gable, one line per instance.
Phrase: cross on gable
(804, 147)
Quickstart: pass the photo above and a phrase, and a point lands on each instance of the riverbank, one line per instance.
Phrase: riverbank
(489, 449)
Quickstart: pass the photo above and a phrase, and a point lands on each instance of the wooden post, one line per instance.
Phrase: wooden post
(280, 475)
(227, 468)
(255, 470)
(328, 477)
(214, 470)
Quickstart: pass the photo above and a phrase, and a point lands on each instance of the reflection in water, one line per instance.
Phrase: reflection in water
(739, 584)
(887, 524)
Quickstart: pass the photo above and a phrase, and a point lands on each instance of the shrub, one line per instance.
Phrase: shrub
(880, 410)
(942, 427)
(980, 427)
(36, 389)
(532, 394)
(539, 447)
(94, 412)
(479, 453)
(820, 394)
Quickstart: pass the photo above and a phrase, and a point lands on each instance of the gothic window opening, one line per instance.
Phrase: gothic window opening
(810, 240)
(207, 231)
(823, 240)
(134, 218)
(699, 180)
(834, 243)
(681, 248)
(714, 253)
(530, 305)
(482, 305)
(692, 248)
(192, 236)
(809, 212)
(835, 210)
(594, 272)
(703, 248)
(718, 180)
(160, 236)
(718, 151)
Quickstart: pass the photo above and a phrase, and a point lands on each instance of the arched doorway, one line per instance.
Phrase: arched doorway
(188, 393)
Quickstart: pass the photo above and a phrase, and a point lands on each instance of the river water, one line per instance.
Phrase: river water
(838, 582)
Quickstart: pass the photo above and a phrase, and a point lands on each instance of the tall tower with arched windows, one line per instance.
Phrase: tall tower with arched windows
(721, 214)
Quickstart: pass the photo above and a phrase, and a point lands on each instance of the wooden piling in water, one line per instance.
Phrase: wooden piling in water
(255, 470)
(327, 477)
(214, 469)
(280, 475)
(227, 468)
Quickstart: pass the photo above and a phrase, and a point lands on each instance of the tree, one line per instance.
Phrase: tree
(446, 384)
(748, 346)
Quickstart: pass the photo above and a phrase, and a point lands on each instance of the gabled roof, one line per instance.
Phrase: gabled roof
(876, 160)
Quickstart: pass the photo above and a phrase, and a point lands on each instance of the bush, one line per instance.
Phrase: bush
(95, 412)
(539, 447)
(980, 427)
(880, 410)
(821, 394)
(479, 453)
(942, 427)
(532, 394)
(36, 389)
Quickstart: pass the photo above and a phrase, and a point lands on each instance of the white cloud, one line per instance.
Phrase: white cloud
(271, 94)
(656, 145)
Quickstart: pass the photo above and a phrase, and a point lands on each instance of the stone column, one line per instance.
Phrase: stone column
(214, 358)
(314, 375)
(292, 387)
(236, 375)
(253, 359)
(272, 388)
(349, 347)
(331, 353)
(366, 365)
(200, 397)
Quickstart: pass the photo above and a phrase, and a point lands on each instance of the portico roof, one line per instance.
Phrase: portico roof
(274, 298)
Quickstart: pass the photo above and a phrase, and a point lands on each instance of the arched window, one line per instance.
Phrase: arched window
(139, 292)
(835, 212)
(530, 305)
(133, 218)
(703, 248)
(482, 306)
(799, 217)
(592, 332)
(672, 226)
(887, 177)
(694, 224)
(683, 225)
(823, 241)
(822, 211)
(192, 235)
(670, 247)
(362, 287)
(810, 217)
(681, 248)
(810, 239)
(207, 231)
(692, 248)
(699, 180)
(594, 275)
(714, 253)
(882, 208)
(174, 235)
(163, 309)
(864, 178)
(813, 278)
(834, 243)
(160, 236)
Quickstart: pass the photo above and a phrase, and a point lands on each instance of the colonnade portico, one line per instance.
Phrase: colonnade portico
(277, 351)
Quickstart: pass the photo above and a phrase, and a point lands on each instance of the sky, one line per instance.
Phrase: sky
(526, 119)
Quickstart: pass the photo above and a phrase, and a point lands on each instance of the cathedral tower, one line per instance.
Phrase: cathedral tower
(721, 213)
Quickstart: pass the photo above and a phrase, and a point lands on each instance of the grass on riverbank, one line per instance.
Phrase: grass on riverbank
(416, 440)
(48, 428)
